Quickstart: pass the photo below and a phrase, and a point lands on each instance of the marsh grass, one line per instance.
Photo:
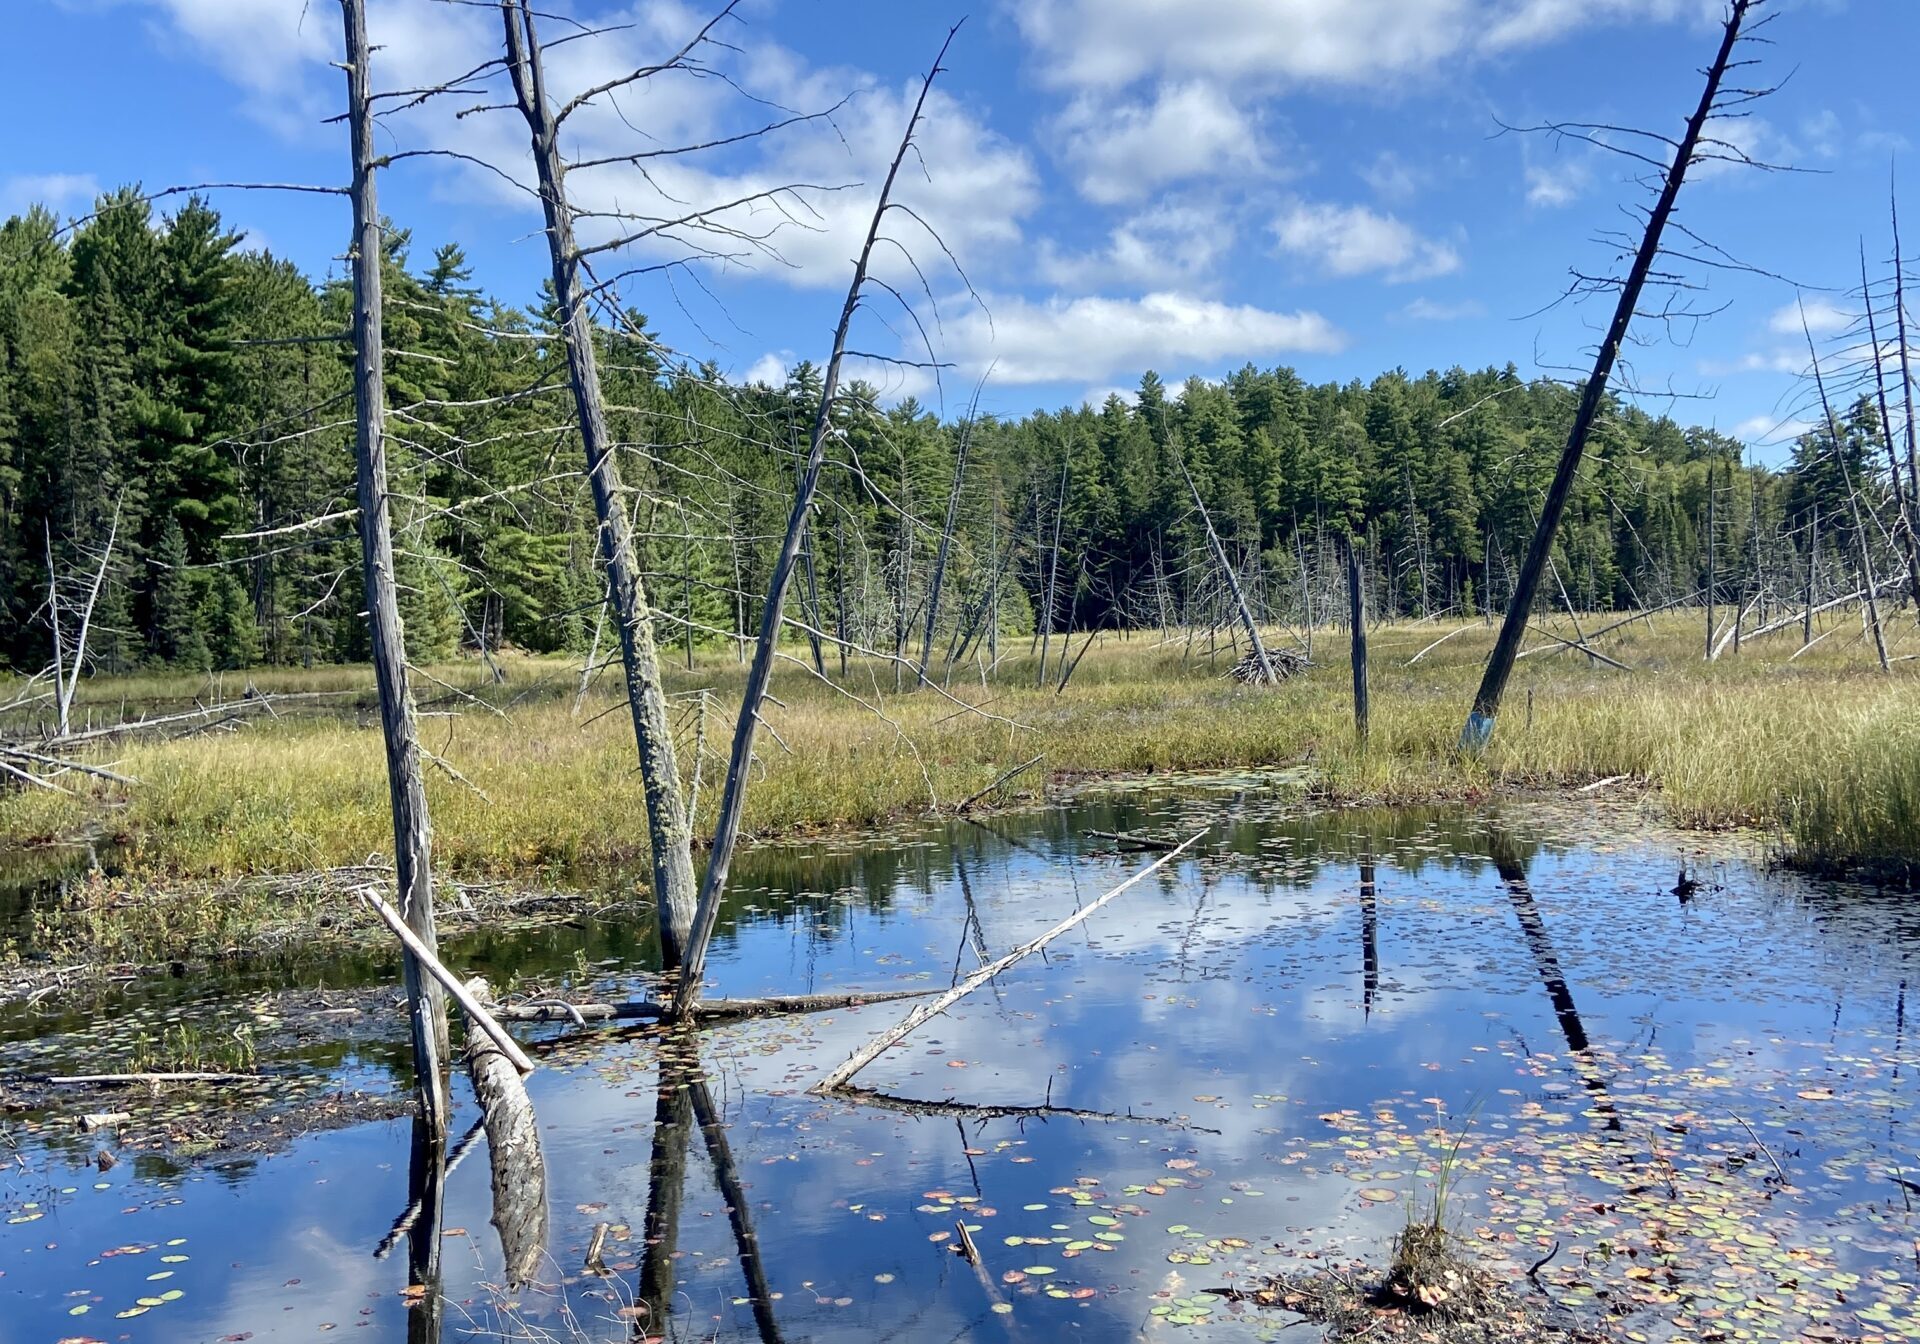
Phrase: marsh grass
(1823, 752)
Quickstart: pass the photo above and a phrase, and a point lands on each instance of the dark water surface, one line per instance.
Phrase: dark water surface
(1290, 1034)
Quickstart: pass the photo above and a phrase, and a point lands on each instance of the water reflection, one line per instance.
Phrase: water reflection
(1194, 1057)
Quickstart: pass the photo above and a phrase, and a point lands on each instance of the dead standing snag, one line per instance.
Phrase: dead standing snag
(1486, 702)
(407, 795)
(739, 766)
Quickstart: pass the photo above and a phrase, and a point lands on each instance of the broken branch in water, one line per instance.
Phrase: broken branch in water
(967, 1110)
(893, 1035)
(1126, 841)
(475, 1012)
(134, 1079)
(1019, 769)
(712, 1010)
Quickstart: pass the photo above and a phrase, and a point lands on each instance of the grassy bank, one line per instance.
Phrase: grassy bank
(1824, 749)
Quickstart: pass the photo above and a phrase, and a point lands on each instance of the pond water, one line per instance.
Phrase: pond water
(1705, 1103)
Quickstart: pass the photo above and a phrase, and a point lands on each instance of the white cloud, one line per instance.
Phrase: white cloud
(1430, 310)
(1090, 340)
(1350, 240)
(1769, 430)
(1096, 397)
(1553, 185)
(58, 192)
(1112, 43)
(1126, 151)
(970, 185)
(1167, 245)
(1824, 317)
(1392, 178)
(770, 369)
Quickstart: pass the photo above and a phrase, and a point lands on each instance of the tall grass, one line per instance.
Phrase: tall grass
(1824, 750)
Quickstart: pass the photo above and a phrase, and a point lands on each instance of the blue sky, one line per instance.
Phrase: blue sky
(1183, 184)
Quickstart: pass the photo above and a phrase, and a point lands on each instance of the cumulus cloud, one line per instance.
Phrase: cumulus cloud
(1128, 150)
(1108, 43)
(58, 192)
(1430, 310)
(1092, 340)
(1824, 317)
(1553, 185)
(1350, 240)
(970, 186)
(1172, 244)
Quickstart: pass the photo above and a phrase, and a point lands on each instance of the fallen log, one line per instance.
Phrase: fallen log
(968, 1110)
(893, 1035)
(711, 1010)
(1126, 841)
(133, 1079)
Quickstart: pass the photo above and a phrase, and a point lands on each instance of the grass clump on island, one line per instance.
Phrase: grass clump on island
(1823, 750)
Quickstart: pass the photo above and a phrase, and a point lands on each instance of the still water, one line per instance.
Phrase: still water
(1702, 1094)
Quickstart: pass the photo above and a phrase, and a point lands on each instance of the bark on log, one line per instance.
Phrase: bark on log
(713, 1010)
(513, 1151)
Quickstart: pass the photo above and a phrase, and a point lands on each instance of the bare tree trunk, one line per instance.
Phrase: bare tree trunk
(1265, 664)
(1906, 363)
(1357, 615)
(1901, 499)
(1853, 502)
(946, 542)
(1486, 702)
(739, 765)
(1053, 567)
(1712, 580)
(1813, 566)
(674, 890)
(407, 796)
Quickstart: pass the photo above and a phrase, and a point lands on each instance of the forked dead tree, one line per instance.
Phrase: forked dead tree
(668, 829)
(1686, 152)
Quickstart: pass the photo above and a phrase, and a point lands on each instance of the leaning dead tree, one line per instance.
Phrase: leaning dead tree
(1262, 664)
(1694, 145)
(726, 833)
(399, 728)
(668, 828)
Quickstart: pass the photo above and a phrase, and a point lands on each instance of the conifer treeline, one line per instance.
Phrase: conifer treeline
(162, 385)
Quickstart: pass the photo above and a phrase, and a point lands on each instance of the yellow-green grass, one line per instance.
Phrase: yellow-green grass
(1823, 749)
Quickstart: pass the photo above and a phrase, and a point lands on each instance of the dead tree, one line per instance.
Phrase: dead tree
(67, 666)
(946, 538)
(1493, 685)
(1357, 617)
(1903, 501)
(1906, 360)
(726, 833)
(406, 791)
(1267, 674)
(1853, 500)
(668, 829)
